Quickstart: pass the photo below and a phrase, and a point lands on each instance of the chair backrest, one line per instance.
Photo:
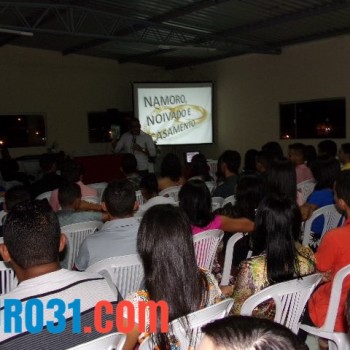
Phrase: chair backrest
(46, 195)
(172, 191)
(114, 341)
(306, 188)
(91, 199)
(216, 203)
(229, 256)
(290, 299)
(139, 197)
(211, 185)
(126, 272)
(76, 233)
(196, 320)
(335, 298)
(332, 219)
(8, 279)
(205, 246)
(99, 187)
(229, 199)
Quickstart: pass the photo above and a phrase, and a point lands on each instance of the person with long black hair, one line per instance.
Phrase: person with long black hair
(165, 245)
(278, 223)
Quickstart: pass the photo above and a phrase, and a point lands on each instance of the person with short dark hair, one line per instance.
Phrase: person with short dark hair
(72, 172)
(327, 148)
(274, 150)
(128, 167)
(229, 164)
(117, 236)
(170, 172)
(325, 170)
(296, 153)
(344, 156)
(69, 197)
(243, 332)
(149, 190)
(32, 242)
(331, 256)
(14, 196)
(49, 180)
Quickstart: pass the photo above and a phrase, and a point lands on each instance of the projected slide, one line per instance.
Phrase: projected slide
(175, 114)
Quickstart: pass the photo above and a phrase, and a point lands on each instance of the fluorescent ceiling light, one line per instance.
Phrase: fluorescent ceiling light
(16, 32)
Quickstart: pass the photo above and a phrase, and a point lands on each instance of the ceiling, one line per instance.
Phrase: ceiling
(170, 33)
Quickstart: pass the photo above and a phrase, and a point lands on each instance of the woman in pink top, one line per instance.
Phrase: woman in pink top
(71, 172)
(195, 200)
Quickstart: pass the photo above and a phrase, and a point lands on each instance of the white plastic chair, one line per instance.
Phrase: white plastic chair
(336, 340)
(229, 199)
(8, 279)
(229, 256)
(211, 186)
(290, 299)
(126, 272)
(91, 199)
(171, 192)
(216, 203)
(205, 245)
(306, 188)
(44, 195)
(332, 219)
(2, 215)
(139, 197)
(99, 187)
(76, 233)
(114, 341)
(196, 320)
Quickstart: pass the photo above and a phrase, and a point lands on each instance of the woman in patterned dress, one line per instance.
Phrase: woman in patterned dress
(165, 245)
(278, 223)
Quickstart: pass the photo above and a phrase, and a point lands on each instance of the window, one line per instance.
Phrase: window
(313, 119)
(22, 130)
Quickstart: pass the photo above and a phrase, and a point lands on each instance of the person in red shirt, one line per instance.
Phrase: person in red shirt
(332, 255)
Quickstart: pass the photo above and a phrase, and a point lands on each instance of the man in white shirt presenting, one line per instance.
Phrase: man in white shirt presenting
(138, 143)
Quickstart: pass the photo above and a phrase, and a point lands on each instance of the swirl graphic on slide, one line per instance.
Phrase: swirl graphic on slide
(165, 122)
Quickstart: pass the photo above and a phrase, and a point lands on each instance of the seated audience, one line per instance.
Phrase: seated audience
(249, 166)
(170, 172)
(229, 164)
(49, 180)
(32, 241)
(344, 156)
(149, 190)
(327, 148)
(199, 168)
(274, 150)
(332, 255)
(69, 197)
(243, 333)
(117, 237)
(310, 154)
(13, 196)
(195, 200)
(72, 172)
(9, 169)
(165, 246)
(263, 162)
(296, 153)
(128, 167)
(278, 225)
(325, 170)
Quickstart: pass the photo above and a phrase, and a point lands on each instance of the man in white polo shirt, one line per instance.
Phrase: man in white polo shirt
(56, 307)
(117, 236)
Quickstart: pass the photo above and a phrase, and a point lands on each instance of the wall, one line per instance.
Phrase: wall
(248, 91)
(65, 88)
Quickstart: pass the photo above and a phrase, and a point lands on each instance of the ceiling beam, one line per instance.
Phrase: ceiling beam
(167, 16)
